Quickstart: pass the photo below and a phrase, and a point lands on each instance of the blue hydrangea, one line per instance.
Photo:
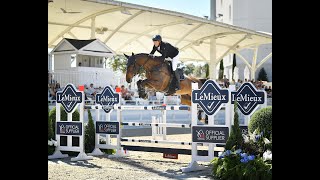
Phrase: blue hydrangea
(228, 152)
(251, 157)
(244, 160)
(238, 151)
(244, 155)
(257, 137)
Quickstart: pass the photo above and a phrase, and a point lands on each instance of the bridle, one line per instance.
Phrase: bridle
(135, 67)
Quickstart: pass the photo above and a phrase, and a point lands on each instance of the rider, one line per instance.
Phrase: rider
(167, 50)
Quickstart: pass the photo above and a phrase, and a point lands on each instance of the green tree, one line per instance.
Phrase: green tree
(235, 139)
(262, 75)
(234, 64)
(189, 69)
(221, 69)
(198, 71)
(206, 69)
(50, 128)
(118, 63)
(89, 139)
(50, 134)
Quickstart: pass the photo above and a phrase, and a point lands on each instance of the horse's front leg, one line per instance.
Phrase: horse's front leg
(147, 83)
(141, 89)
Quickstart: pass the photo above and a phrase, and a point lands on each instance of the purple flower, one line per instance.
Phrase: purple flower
(220, 157)
(251, 157)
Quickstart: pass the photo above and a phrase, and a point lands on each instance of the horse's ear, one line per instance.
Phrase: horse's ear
(126, 56)
(132, 54)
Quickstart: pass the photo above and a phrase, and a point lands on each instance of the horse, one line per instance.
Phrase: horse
(159, 76)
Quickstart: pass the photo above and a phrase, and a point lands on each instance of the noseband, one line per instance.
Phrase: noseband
(136, 67)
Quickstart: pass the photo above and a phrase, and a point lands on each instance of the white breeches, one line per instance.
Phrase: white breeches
(175, 62)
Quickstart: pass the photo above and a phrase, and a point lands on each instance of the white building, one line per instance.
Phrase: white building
(250, 14)
(81, 62)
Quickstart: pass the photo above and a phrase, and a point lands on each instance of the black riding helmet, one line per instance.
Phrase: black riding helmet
(157, 38)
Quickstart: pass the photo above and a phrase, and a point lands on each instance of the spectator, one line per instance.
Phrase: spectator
(245, 80)
(269, 92)
(233, 82)
(227, 84)
(125, 93)
(58, 88)
(87, 93)
(224, 80)
(52, 94)
(238, 84)
(91, 90)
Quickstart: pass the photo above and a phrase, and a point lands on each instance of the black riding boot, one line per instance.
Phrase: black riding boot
(176, 73)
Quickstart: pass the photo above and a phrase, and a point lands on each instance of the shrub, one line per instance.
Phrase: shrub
(50, 134)
(261, 121)
(50, 130)
(235, 139)
(89, 141)
(241, 166)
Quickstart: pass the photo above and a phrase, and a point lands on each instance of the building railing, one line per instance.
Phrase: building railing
(99, 78)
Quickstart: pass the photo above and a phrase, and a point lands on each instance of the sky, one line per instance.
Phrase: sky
(194, 7)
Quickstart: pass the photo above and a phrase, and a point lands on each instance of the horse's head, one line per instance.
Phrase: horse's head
(132, 67)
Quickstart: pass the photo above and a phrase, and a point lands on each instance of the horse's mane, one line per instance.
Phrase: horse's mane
(142, 54)
(154, 57)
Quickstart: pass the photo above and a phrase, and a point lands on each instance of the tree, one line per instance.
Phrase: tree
(235, 139)
(50, 126)
(206, 69)
(221, 69)
(234, 64)
(262, 76)
(89, 136)
(118, 63)
(198, 71)
(189, 69)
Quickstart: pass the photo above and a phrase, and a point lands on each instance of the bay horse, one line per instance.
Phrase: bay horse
(159, 76)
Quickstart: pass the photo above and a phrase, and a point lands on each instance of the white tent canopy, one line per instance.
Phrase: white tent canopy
(127, 28)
